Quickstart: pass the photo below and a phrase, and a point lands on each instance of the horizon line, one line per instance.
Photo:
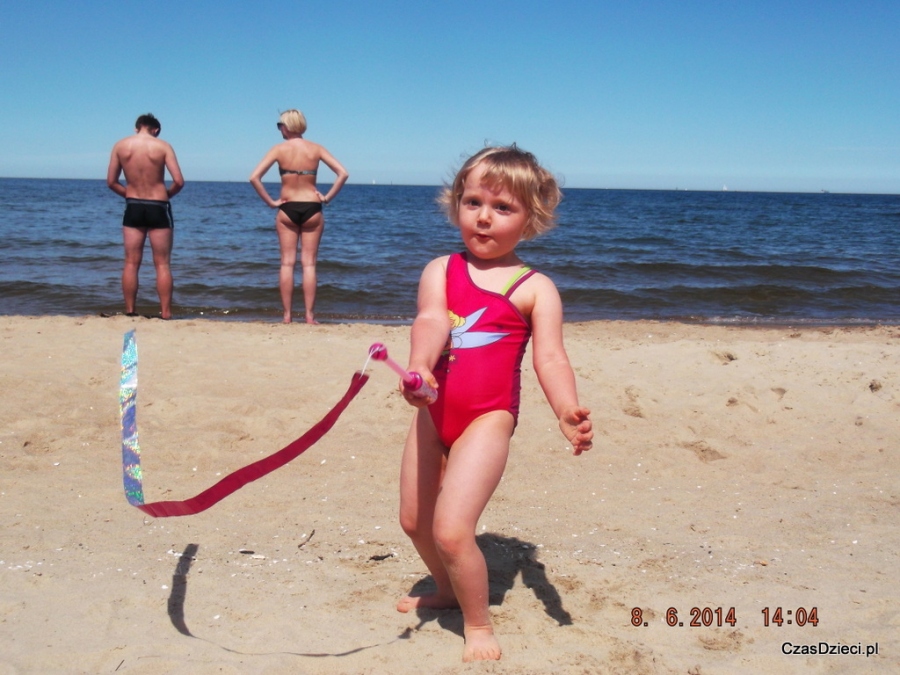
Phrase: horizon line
(564, 188)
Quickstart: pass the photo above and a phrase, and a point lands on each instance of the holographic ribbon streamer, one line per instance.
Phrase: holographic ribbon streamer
(131, 453)
(131, 449)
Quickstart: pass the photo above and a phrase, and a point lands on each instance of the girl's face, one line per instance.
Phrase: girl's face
(491, 220)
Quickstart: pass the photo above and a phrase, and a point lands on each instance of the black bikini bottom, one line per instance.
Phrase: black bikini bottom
(300, 212)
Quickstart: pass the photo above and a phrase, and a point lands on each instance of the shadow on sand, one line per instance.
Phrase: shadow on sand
(178, 595)
(506, 558)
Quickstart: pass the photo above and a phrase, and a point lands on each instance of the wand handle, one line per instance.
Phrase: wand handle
(412, 382)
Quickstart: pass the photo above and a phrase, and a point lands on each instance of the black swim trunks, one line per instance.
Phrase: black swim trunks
(300, 212)
(149, 213)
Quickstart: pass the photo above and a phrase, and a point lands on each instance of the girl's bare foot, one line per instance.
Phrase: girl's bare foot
(433, 601)
(481, 645)
(310, 319)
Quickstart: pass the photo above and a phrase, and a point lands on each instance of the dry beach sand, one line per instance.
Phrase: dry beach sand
(733, 467)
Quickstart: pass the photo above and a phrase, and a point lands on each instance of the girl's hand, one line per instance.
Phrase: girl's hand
(577, 428)
(419, 401)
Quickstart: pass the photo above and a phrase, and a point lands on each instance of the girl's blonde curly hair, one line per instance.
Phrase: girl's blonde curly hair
(517, 171)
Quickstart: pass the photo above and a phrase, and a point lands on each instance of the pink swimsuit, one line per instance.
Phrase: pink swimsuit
(480, 370)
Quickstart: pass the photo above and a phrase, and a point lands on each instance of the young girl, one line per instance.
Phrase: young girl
(476, 312)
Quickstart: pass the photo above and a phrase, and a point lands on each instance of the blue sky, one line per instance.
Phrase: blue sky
(763, 95)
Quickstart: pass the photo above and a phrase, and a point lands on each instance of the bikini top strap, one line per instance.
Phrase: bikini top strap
(306, 172)
(517, 280)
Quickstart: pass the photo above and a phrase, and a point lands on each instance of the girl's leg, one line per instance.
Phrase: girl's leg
(420, 480)
(310, 236)
(288, 238)
(473, 471)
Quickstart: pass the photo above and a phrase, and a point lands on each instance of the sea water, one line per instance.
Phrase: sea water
(721, 257)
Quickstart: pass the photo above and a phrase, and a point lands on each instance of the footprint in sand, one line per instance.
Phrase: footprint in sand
(718, 642)
(725, 357)
(704, 452)
(632, 409)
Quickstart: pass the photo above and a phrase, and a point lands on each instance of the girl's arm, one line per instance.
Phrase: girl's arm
(551, 363)
(431, 327)
(260, 171)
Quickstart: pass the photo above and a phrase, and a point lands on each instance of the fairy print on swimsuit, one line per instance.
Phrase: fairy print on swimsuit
(462, 336)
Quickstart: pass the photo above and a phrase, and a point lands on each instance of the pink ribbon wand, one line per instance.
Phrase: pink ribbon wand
(412, 382)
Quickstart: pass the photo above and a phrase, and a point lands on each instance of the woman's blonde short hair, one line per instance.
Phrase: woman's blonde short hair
(294, 121)
(518, 171)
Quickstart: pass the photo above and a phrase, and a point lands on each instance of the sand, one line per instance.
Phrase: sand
(742, 468)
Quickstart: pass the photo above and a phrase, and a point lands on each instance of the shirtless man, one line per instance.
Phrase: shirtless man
(144, 159)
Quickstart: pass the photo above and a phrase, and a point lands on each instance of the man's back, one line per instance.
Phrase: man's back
(143, 158)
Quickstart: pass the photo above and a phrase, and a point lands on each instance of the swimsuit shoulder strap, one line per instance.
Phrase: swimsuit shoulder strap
(517, 280)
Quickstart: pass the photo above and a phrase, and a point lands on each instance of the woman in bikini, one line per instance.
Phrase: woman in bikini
(299, 219)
